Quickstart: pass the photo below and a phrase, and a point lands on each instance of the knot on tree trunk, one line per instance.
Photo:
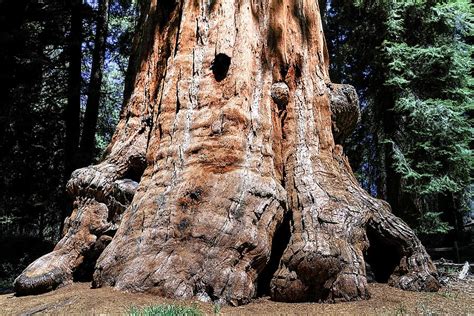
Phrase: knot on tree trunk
(345, 111)
(280, 94)
(110, 183)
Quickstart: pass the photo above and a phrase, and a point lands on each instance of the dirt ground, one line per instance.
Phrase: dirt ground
(455, 299)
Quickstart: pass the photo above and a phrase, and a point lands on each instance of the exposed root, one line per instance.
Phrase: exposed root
(325, 259)
(101, 198)
(44, 274)
(415, 271)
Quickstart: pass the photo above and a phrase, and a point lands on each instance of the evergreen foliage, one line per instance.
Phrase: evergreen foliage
(122, 22)
(429, 70)
(412, 65)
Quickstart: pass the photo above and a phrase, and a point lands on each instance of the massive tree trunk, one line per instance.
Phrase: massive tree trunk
(223, 180)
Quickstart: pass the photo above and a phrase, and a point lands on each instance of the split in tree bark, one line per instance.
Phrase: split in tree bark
(245, 191)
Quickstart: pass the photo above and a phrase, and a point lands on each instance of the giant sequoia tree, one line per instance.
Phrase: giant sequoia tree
(224, 179)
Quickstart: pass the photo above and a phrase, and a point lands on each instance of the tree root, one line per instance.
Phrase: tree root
(101, 198)
(328, 264)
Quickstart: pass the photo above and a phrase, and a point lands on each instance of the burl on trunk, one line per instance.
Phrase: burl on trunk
(224, 180)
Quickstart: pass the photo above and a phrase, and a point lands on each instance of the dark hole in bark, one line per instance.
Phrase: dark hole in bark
(195, 195)
(210, 292)
(382, 257)
(135, 170)
(160, 130)
(85, 271)
(178, 104)
(220, 66)
(297, 71)
(280, 241)
(284, 70)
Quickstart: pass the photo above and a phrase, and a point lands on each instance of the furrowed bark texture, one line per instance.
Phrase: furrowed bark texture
(232, 120)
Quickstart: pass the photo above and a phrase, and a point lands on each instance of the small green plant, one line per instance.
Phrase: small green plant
(6, 285)
(448, 270)
(451, 270)
(449, 295)
(165, 310)
(425, 310)
(217, 308)
(401, 310)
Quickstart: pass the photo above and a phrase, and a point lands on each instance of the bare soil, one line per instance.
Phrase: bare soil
(455, 299)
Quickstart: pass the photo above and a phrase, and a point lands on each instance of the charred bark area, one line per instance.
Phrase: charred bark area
(224, 180)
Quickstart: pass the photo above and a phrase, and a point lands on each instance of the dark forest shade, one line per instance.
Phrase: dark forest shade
(45, 54)
(73, 107)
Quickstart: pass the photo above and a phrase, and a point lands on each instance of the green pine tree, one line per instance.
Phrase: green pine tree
(412, 66)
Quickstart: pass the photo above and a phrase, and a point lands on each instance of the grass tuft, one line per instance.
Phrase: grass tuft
(165, 310)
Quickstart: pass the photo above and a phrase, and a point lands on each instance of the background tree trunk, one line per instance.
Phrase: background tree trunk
(227, 140)
(87, 145)
(73, 107)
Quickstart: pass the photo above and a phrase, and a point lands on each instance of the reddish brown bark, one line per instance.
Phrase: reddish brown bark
(245, 191)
